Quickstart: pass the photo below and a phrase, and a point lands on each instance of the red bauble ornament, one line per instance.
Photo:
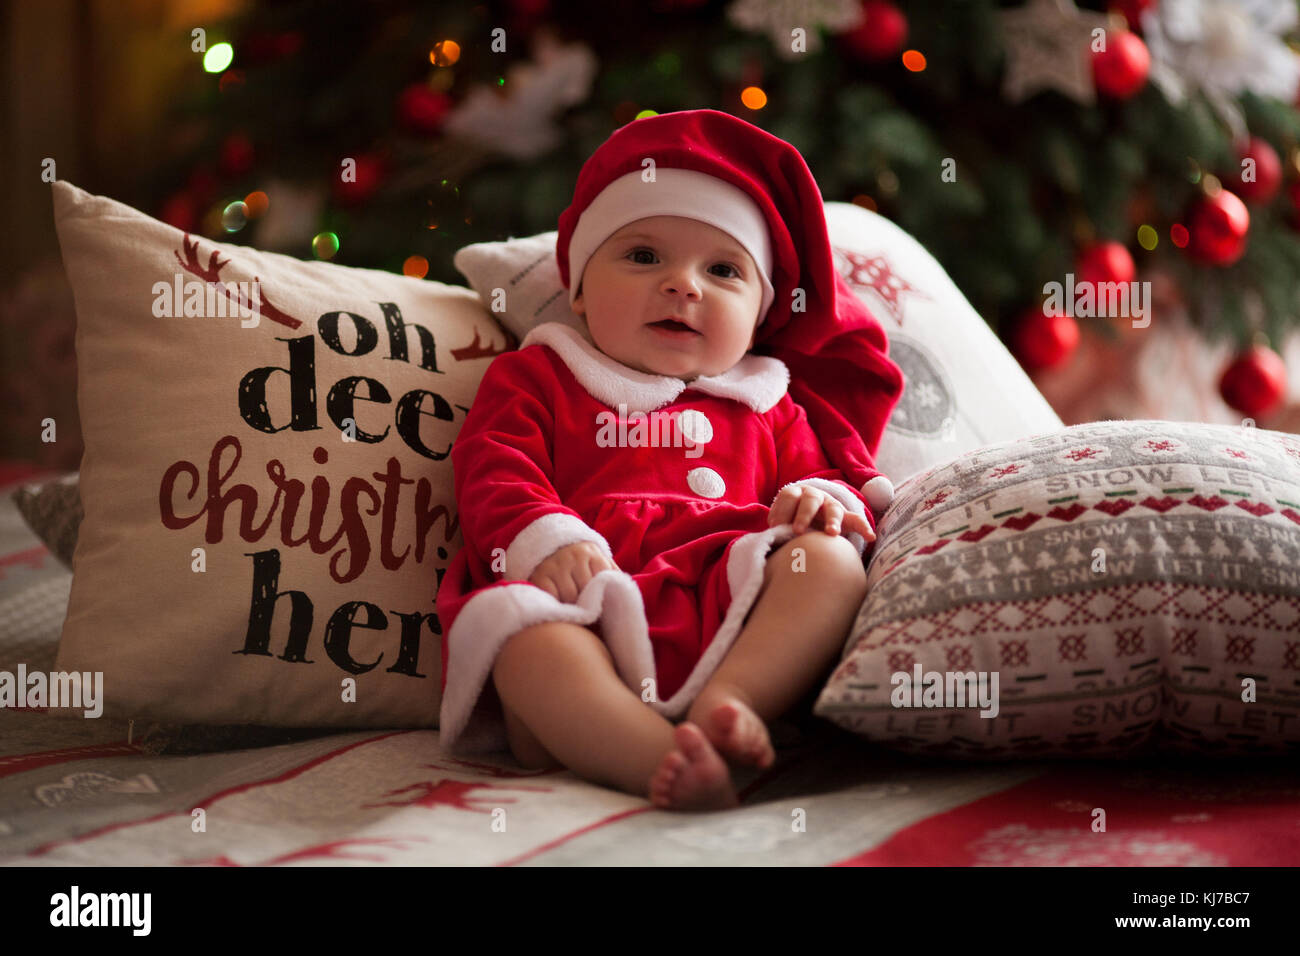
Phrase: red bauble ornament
(1105, 262)
(1255, 382)
(1293, 193)
(1121, 69)
(179, 211)
(202, 185)
(422, 110)
(236, 155)
(1268, 172)
(262, 47)
(1042, 340)
(287, 44)
(882, 33)
(1132, 10)
(1217, 229)
(371, 171)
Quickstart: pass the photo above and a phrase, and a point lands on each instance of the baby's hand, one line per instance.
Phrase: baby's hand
(806, 507)
(566, 572)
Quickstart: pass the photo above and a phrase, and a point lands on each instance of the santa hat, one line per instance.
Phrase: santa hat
(719, 169)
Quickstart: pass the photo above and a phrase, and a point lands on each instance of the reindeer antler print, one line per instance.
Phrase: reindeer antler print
(212, 273)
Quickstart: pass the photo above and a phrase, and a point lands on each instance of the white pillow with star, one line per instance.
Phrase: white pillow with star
(964, 390)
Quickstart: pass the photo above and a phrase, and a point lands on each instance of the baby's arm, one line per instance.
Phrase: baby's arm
(509, 509)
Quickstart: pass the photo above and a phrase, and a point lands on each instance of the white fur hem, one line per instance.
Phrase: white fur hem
(544, 537)
(489, 619)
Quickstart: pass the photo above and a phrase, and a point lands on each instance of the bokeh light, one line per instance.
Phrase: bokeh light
(257, 203)
(325, 245)
(914, 60)
(669, 64)
(1148, 238)
(753, 97)
(444, 53)
(1178, 235)
(415, 266)
(235, 216)
(218, 57)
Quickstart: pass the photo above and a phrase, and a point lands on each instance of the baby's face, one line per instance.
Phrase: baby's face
(669, 266)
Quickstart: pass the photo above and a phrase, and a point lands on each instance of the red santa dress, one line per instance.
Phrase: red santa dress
(674, 481)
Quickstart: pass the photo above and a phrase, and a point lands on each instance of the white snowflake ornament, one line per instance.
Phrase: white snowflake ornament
(520, 122)
(779, 18)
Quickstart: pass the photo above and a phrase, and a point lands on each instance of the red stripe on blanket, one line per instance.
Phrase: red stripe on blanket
(1212, 817)
(34, 558)
(16, 472)
(21, 763)
(575, 833)
(208, 801)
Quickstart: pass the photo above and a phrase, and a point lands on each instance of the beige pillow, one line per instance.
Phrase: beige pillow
(240, 561)
(1125, 583)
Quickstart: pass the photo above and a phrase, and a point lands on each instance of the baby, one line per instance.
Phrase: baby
(641, 612)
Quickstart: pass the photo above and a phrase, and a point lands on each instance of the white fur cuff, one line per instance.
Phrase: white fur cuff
(543, 538)
(840, 494)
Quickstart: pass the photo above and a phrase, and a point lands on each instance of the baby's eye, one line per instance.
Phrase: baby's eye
(734, 272)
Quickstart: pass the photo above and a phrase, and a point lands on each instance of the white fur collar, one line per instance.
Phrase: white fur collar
(758, 381)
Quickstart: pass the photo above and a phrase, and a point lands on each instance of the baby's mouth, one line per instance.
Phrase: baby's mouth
(672, 325)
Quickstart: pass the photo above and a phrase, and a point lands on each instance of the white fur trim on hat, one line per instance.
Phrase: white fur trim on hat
(674, 192)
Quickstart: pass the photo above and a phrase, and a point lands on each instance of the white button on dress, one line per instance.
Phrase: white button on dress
(706, 482)
(696, 426)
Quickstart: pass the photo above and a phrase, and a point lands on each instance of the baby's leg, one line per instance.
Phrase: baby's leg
(792, 638)
(565, 703)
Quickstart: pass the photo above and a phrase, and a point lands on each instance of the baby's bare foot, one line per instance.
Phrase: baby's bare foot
(738, 733)
(692, 777)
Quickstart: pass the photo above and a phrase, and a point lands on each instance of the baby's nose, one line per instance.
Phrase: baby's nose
(682, 284)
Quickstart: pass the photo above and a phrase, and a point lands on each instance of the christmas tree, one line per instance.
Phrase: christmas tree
(1024, 144)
